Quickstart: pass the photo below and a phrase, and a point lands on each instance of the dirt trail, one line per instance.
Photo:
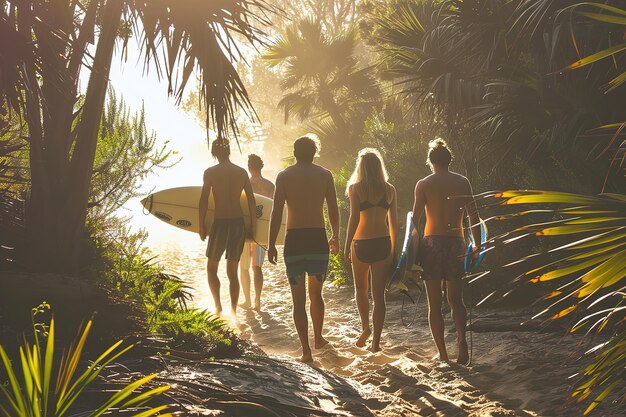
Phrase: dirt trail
(512, 374)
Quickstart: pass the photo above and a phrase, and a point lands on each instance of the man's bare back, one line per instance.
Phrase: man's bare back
(226, 182)
(305, 205)
(445, 195)
(262, 186)
(304, 187)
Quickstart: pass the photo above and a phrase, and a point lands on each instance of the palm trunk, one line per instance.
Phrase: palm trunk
(332, 108)
(58, 203)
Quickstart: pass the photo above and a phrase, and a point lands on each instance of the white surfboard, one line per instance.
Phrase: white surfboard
(178, 207)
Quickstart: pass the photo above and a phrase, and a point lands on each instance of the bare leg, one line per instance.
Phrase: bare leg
(298, 294)
(380, 273)
(360, 272)
(459, 315)
(317, 310)
(231, 271)
(244, 272)
(258, 287)
(214, 284)
(435, 318)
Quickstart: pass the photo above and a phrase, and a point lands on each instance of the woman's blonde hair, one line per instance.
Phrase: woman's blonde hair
(370, 173)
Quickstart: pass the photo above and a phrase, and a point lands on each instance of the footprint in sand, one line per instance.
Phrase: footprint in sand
(379, 358)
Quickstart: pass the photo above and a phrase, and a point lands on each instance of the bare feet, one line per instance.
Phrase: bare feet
(306, 357)
(374, 349)
(246, 304)
(257, 305)
(218, 311)
(320, 343)
(441, 358)
(363, 338)
(463, 358)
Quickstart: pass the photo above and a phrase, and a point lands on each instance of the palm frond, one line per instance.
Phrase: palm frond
(587, 261)
(180, 37)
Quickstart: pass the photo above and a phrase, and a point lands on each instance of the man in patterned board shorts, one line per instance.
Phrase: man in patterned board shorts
(228, 234)
(304, 187)
(253, 254)
(446, 196)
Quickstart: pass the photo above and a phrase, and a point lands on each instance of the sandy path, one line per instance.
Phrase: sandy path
(512, 374)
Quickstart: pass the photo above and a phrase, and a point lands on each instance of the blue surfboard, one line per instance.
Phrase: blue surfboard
(468, 262)
(404, 266)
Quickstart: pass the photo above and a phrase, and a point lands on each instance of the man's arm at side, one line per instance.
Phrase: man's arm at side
(419, 203)
(333, 213)
(247, 187)
(276, 219)
(418, 209)
(204, 203)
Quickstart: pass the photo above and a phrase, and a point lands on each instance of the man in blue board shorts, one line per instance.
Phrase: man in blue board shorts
(304, 187)
(253, 254)
(445, 196)
(226, 181)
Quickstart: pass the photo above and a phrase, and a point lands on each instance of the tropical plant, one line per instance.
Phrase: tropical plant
(493, 72)
(321, 74)
(130, 269)
(585, 262)
(125, 154)
(45, 51)
(39, 386)
(606, 16)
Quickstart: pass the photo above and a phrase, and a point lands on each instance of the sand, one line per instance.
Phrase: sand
(513, 373)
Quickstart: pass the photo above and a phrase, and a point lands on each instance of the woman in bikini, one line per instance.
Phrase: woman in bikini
(370, 243)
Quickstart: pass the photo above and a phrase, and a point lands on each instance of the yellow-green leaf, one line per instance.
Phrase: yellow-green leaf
(596, 57)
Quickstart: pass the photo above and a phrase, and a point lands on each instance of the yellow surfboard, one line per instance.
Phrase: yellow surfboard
(178, 207)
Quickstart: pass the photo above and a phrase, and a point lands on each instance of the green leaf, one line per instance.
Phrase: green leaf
(601, 275)
(154, 411)
(15, 387)
(568, 230)
(122, 394)
(47, 368)
(88, 376)
(616, 82)
(561, 272)
(596, 57)
(604, 17)
(596, 220)
(143, 397)
(531, 197)
(602, 396)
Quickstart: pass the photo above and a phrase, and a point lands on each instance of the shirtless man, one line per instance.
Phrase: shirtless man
(226, 180)
(252, 251)
(445, 195)
(305, 186)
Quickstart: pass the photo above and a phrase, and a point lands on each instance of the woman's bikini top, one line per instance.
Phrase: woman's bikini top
(382, 204)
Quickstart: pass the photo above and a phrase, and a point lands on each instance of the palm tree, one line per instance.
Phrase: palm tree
(490, 70)
(45, 46)
(321, 74)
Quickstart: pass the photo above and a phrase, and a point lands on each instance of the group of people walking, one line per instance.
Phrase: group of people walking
(370, 246)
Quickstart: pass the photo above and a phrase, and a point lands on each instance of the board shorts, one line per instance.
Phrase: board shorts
(370, 251)
(253, 255)
(441, 257)
(306, 252)
(226, 235)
